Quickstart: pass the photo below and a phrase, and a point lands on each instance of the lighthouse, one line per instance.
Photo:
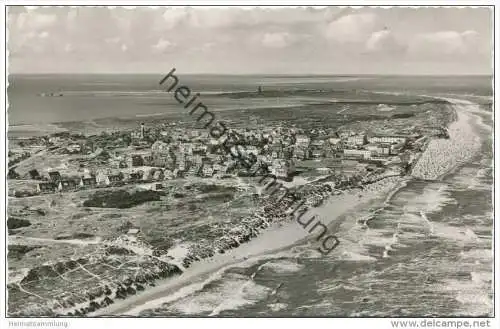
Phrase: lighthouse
(142, 130)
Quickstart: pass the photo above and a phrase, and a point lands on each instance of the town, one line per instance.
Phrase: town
(152, 155)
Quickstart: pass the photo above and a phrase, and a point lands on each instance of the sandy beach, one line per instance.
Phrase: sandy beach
(277, 237)
(442, 155)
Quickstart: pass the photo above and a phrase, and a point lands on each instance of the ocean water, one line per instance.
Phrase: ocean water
(89, 97)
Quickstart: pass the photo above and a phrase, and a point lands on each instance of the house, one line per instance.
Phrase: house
(88, 182)
(159, 147)
(158, 175)
(34, 174)
(186, 148)
(148, 160)
(46, 187)
(181, 163)
(136, 161)
(199, 148)
(379, 149)
(287, 153)
(218, 167)
(167, 174)
(66, 185)
(353, 153)
(396, 149)
(318, 143)
(135, 135)
(302, 140)
(54, 176)
(357, 139)
(197, 160)
(194, 169)
(208, 170)
(117, 178)
(301, 153)
(147, 175)
(336, 143)
(161, 159)
(135, 176)
(317, 153)
(251, 149)
(133, 231)
(390, 139)
(102, 179)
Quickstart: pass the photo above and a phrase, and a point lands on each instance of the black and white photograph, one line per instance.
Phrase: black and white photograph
(291, 161)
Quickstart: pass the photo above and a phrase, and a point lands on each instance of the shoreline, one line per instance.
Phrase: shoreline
(268, 244)
(442, 156)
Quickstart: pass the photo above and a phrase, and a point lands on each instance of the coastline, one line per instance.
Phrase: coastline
(443, 156)
(268, 244)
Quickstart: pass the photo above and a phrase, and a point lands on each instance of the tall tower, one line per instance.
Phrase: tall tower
(142, 130)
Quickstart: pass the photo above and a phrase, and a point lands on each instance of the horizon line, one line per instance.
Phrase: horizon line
(259, 74)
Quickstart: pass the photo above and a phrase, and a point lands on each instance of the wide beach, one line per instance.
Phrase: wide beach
(278, 237)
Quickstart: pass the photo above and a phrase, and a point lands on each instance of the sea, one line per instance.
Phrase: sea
(427, 250)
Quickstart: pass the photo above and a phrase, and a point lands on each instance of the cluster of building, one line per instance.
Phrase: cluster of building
(55, 182)
(156, 154)
(371, 147)
(280, 149)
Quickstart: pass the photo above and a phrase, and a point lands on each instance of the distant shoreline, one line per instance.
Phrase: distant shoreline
(287, 75)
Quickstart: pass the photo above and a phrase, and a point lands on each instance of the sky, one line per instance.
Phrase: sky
(259, 40)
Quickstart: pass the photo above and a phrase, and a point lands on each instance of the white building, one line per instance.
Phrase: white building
(318, 142)
(251, 149)
(365, 154)
(390, 139)
(302, 140)
(208, 170)
(102, 178)
(356, 140)
(186, 148)
(159, 147)
(377, 149)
